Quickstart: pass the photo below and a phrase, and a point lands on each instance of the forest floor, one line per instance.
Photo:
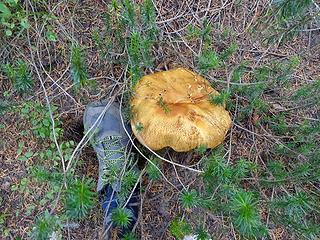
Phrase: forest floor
(275, 126)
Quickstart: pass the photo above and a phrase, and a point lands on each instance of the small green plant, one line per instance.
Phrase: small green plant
(152, 169)
(208, 60)
(201, 149)
(80, 199)
(246, 217)
(220, 99)
(295, 212)
(129, 28)
(231, 199)
(12, 17)
(202, 234)
(286, 17)
(225, 55)
(77, 197)
(189, 199)
(20, 76)
(180, 228)
(129, 236)
(308, 93)
(121, 217)
(163, 105)
(139, 127)
(78, 70)
(40, 120)
(129, 178)
(46, 226)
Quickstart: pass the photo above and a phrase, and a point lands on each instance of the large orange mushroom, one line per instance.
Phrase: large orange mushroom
(172, 109)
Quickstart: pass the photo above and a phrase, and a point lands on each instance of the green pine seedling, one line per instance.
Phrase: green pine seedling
(193, 32)
(135, 75)
(78, 69)
(202, 234)
(139, 127)
(129, 14)
(121, 217)
(308, 93)
(238, 73)
(287, 17)
(20, 75)
(148, 14)
(129, 179)
(145, 50)
(296, 207)
(129, 236)
(288, 9)
(180, 228)
(44, 175)
(278, 170)
(134, 48)
(201, 149)
(152, 169)
(295, 213)
(80, 199)
(242, 169)
(208, 60)
(45, 225)
(262, 74)
(220, 99)
(206, 32)
(246, 217)
(217, 170)
(189, 199)
(226, 54)
(5, 106)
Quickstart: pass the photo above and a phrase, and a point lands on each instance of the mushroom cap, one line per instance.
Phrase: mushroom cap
(171, 109)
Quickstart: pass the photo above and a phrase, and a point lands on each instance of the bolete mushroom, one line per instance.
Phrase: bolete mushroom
(172, 109)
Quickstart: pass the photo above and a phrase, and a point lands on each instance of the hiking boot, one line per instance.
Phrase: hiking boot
(109, 141)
